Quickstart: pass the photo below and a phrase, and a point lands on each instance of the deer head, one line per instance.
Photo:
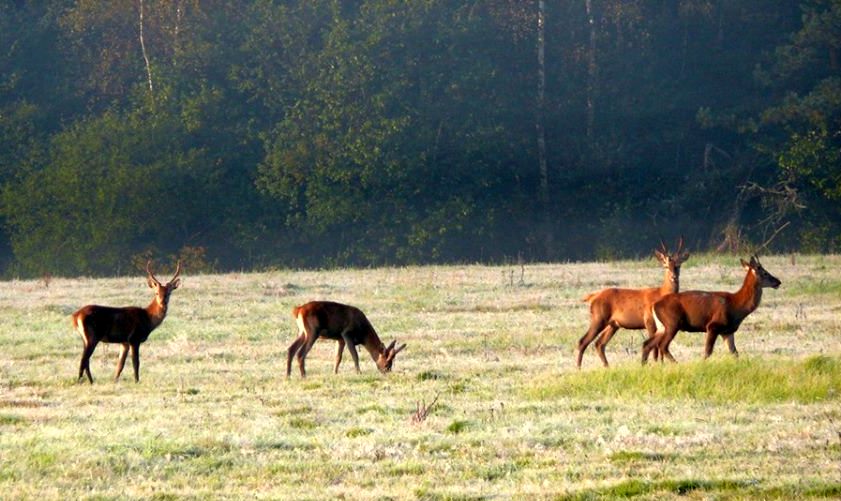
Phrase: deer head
(162, 292)
(763, 278)
(672, 262)
(386, 358)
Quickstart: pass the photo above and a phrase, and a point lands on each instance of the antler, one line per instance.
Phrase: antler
(149, 271)
(680, 254)
(177, 271)
(391, 352)
(153, 277)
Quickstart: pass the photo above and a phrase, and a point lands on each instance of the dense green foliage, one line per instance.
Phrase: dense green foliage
(310, 133)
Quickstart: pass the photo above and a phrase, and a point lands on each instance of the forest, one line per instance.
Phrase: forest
(323, 133)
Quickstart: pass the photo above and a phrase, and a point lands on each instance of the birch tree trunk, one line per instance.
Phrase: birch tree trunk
(592, 70)
(539, 123)
(145, 55)
(541, 102)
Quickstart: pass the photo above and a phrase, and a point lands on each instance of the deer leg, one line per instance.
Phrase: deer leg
(648, 345)
(663, 345)
(352, 349)
(709, 343)
(602, 340)
(291, 351)
(731, 343)
(339, 351)
(596, 327)
(121, 361)
(85, 364)
(305, 349)
(135, 361)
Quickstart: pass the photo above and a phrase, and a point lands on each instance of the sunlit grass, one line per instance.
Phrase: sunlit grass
(816, 379)
(214, 417)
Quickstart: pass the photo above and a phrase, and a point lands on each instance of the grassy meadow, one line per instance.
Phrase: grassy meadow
(215, 417)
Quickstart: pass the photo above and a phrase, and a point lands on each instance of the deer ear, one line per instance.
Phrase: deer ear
(400, 348)
(174, 284)
(659, 255)
(152, 282)
(745, 264)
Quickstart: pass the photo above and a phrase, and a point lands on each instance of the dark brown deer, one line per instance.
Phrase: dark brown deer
(129, 326)
(342, 323)
(716, 313)
(611, 309)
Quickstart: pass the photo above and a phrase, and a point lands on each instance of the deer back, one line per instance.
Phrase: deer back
(625, 306)
(330, 319)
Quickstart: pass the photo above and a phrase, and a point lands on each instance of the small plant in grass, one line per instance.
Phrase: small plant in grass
(633, 456)
(10, 419)
(302, 423)
(423, 410)
(430, 375)
(358, 432)
(458, 426)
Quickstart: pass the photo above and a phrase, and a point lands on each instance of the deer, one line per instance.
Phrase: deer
(342, 323)
(129, 326)
(612, 308)
(716, 313)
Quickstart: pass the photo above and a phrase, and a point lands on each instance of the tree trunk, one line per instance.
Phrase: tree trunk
(592, 70)
(541, 102)
(539, 123)
(145, 55)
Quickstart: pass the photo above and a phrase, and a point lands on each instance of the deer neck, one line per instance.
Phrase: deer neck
(747, 298)
(157, 312)
(668, 286)
(373, 344)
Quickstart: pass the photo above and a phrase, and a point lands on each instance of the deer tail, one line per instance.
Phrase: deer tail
(661, 328)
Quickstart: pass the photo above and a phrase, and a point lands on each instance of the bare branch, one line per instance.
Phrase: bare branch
(765, 244)
(423, 410)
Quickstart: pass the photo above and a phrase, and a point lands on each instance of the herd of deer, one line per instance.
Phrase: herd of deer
(662, 312)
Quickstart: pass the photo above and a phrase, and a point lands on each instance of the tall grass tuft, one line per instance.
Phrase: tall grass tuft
(814, 379)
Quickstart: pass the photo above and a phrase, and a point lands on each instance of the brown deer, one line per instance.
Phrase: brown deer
(340, 322)
(130, 325)
(613, 308)
(716, 313)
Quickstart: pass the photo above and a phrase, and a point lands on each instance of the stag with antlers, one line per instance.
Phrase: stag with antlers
(339, 322)
(611, 309)
(129, 326)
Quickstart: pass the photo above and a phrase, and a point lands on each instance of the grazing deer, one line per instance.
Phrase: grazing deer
(130, 326)
(716, 313)
(340, 322)
(613, 308)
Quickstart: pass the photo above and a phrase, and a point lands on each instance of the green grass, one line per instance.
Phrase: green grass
(729, 489)
(815, 379)
(215, 417)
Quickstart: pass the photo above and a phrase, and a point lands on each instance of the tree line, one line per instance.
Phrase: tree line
(240, 135)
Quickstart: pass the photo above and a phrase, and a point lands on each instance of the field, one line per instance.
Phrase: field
(215, 417)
